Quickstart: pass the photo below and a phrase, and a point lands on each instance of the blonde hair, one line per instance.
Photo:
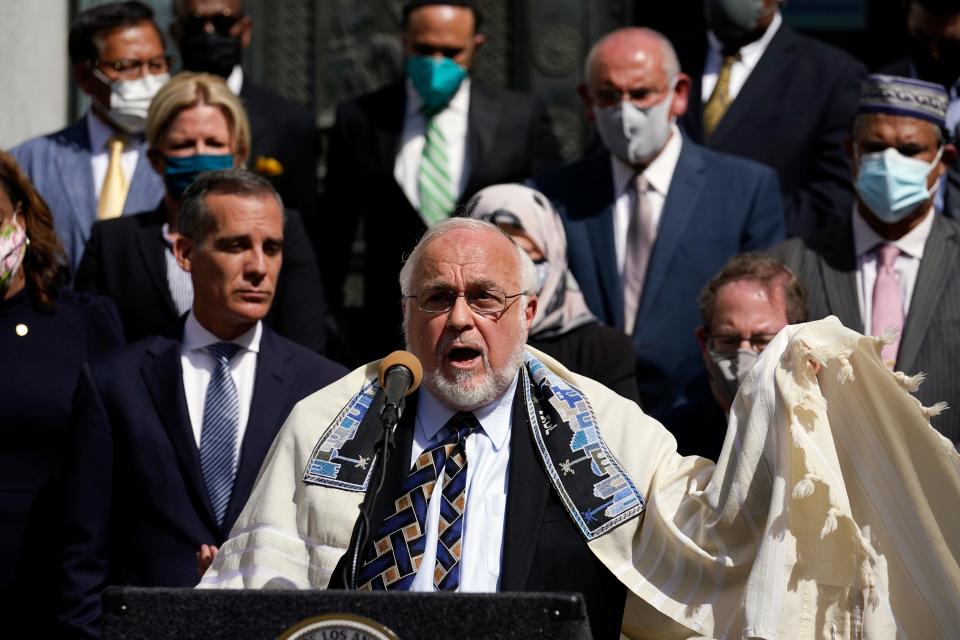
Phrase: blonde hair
(187, 89)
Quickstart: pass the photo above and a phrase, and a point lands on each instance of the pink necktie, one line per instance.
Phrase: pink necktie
(887, 299)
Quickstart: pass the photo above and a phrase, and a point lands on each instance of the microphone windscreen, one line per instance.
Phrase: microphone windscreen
(408, 361)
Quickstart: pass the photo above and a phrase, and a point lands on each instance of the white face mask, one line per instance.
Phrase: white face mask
(130, 99)
(632, 134)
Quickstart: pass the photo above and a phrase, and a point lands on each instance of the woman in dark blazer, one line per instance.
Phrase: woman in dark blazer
(195, 124)
(46, 334)
(563, 327)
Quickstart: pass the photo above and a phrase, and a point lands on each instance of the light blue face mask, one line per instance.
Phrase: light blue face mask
(435, 79)
(892, 185)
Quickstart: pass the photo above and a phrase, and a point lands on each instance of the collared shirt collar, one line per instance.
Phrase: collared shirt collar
(196, 336)
(460, 102)
(100, 132)
(912, 244)
(750, 53)
(235, 80)
(658, 173)
(494, 417)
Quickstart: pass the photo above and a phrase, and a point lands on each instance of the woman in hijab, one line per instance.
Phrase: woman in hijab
(563, 328)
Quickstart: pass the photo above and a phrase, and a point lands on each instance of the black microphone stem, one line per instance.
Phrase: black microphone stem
(389, 416)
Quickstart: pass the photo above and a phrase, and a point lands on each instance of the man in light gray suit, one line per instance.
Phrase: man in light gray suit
(896, 264)
(96, 168)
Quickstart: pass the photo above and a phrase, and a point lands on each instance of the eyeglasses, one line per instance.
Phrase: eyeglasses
(429, 50)
(195, 24)
(489, 302)
(502, 218)
(129, 69)
(728, 344)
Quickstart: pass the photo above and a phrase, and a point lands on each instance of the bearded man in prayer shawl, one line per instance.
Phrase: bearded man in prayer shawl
(830, 514)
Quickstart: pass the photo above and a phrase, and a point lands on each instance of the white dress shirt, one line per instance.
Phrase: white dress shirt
(659, 174)
(235, 80)
(906, 265)
(100, 132)
(179, 283)
(452, 122)
(750, 55)
(198, 365)
(488, 455)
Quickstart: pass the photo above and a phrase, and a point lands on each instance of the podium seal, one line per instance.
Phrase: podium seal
(338, 626)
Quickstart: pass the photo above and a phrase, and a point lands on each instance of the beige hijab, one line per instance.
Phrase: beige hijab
(562, 307)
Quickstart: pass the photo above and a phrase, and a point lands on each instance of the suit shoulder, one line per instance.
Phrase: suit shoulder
(268, 100)
(830, 59)
(514, 99)
(556, 183)
(37, 149)
(121, 364)
(726, 163)
(377, 99)
(314, 367)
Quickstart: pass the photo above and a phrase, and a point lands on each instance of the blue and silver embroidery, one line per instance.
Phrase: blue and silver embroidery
(596, 491)
(342, 456)
(594, 488)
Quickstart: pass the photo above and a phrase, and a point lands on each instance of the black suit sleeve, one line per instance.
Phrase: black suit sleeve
(827, 195)
(545, 152)
(106, 328)
(87, 488)
(340, 209)
(86, 278)
(299, 311)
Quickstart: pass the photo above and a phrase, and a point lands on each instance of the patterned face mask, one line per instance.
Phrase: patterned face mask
(13, 247)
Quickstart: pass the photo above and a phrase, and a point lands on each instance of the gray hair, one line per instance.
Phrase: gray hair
(195, 220)
(671, 63)
(528, 273)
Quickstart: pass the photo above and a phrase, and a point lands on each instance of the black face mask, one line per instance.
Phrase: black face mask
(945, 70)
(211, 53)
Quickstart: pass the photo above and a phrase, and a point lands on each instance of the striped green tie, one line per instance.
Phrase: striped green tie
(436, 191)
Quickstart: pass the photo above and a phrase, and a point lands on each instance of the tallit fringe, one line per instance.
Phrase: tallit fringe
(910, 383)
(935, 410)
(801, 394)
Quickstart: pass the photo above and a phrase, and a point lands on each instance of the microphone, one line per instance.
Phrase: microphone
(400, 375)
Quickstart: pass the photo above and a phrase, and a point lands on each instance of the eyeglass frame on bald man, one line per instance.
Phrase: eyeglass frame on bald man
(445, 299)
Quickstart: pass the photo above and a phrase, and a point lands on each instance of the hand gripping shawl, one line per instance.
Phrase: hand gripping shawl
(833, 511)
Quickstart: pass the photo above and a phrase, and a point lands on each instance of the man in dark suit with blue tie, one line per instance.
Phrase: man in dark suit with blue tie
(169, 433)
(651, 216)
(97, 168)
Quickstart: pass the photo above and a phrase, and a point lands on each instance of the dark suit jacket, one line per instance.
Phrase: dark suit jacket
(58, 165)
(508, 140)
(125, 261)
(285, 132)
(930, 340)
(542, 548)
(792, 114)
(136, 509)
(717, 206)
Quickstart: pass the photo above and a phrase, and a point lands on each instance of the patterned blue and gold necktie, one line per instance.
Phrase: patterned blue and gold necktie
(393, 560)
(218, 435)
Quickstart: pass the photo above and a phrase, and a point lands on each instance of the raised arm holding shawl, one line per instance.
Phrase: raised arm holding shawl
(832, 511)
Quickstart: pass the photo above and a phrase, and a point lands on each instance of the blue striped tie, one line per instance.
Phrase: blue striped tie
(393, 560)
(218, 438)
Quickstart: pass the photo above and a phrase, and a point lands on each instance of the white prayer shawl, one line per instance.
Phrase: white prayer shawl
(833, 511)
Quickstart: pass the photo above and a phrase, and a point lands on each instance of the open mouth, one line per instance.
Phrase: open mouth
(463, 356)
